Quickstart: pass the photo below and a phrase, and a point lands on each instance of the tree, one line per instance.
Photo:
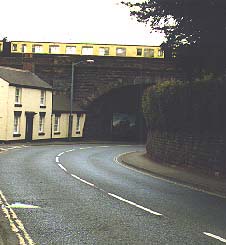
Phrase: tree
(195, 29)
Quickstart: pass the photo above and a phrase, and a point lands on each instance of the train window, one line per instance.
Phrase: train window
(160, 52)
(148, 52)
(70, 50)
(54, 49)
(37, 48)
(121, 51)
(23, 48)
(14, 48)
(103, 51)
(87, 50)
(139, 51)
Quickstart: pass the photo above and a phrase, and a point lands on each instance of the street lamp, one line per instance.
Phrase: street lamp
(72, 95)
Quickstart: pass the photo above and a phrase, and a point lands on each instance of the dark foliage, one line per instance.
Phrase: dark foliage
(195, 30)
(197, 106)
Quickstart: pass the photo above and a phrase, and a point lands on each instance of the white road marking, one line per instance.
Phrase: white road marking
(60, 154)
(214, 236)
(70, 150)
(166, 180)
(22, 205)
(62, 167)
(57, 159)
(134, 204)
(84, 181)
(103, 146)
(3, 149)
(84, 148)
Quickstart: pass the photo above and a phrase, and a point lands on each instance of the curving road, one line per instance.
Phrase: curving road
(81, 195)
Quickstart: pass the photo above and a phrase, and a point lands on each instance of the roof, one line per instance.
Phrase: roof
(61, 103)
(22, 78)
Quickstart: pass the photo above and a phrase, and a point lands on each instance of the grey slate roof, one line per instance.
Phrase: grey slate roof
(61, 103)
(22, 78)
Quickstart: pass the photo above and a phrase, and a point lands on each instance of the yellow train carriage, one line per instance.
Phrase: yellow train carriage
(87, 49)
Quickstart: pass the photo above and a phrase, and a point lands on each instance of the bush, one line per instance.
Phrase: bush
(192, 106)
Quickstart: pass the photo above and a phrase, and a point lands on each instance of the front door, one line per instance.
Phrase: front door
(29, 126)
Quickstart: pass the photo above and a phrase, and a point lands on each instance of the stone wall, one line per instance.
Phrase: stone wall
(206, 151)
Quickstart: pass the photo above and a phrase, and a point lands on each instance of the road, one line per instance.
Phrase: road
(79, 194)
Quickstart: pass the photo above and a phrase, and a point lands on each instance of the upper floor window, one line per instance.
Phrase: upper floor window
(70, 50)
(14, 47)
(18, 93)
(43, 98)
(149, 52)
(54, 49)
(139, 51)
(87, 50)
(104, 51)
(121, 51)
(24, 48)
(36, 48)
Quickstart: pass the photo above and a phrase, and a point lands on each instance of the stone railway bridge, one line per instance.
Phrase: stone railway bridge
(109, 89)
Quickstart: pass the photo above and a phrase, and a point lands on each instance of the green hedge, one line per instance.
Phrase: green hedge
(192, 106)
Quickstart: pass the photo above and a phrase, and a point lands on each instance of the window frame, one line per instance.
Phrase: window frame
(16, 124)
(56, 124)
(43, 98)
(119, 53)
(18, 97)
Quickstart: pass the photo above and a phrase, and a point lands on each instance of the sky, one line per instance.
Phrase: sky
(94, 21)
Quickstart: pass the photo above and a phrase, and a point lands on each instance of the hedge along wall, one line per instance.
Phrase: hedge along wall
(187, 123)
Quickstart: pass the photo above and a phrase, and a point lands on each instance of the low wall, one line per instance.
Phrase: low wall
(206, 151)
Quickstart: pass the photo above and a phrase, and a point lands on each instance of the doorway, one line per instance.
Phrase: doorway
(29, 126)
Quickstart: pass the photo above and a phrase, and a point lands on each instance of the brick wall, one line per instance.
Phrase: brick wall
(206, 151)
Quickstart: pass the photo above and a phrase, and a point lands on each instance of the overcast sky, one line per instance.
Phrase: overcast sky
(98, 21)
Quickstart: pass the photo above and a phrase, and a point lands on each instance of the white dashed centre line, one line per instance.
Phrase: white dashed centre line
(134, 204)
(62, 167)
(93, 185)
(215, 236)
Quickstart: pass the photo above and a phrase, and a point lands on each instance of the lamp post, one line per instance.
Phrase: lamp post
(72, 95)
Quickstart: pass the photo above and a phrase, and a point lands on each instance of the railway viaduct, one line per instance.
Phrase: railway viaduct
(109, 89)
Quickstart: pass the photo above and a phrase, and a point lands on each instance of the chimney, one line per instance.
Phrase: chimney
(28, 63)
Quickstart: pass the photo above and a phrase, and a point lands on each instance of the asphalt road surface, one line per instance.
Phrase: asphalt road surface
(80, 194)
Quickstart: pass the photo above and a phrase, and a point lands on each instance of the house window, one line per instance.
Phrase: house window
(14, 47)
(16, 128)
(103, 51)
(121, 51)
(149, 52)
(160, 52)
(43, 98)
(70, 50)
(41, 123)
(87, 50)
(139, 51)
(54, 49)
(18, 93)
(56, 127)
(24, 48)
(36, 48)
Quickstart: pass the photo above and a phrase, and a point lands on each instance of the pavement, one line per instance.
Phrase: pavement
(191, 177)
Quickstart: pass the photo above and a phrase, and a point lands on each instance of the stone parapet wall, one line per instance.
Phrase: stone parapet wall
(206, 151)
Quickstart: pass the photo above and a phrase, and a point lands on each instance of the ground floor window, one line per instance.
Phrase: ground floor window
(78, 124)
(41, 123)
(56, 127)
(16, 129)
